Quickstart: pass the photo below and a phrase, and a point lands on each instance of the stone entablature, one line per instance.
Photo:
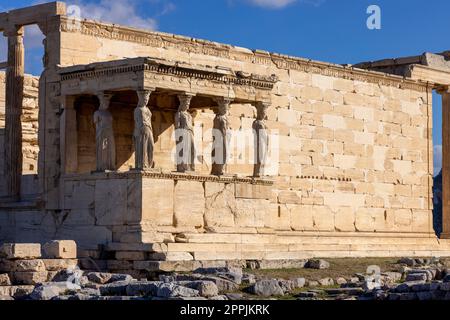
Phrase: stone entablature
(224, 51)
(156, 73)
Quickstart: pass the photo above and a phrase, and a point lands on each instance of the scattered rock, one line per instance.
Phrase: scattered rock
(326, 282)
(229, 273)
(347, 291)
(143, 288)
(266, 288)
(317, 264)
(312, 284)
(410, 262)
(340, 281)
(416, 277)
(234, 296)
(370, 285)
(299, 282)
(99, 277)
(4, 280)
(169, 290)
(120, 277)
(205, 288)
(115, 289)
(50, 290)
(248, 279)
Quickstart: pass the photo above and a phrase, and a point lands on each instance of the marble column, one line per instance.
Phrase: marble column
(184, 135)
(105, 141)
(221, 137)
(13, 112)
(445, 164)
(261, 139)
(144, 142)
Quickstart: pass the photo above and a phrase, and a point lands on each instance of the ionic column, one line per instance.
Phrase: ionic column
(261, 139)
(445, 164)
(221, 138)
(184, 135)
(144, 142)
(13, 112)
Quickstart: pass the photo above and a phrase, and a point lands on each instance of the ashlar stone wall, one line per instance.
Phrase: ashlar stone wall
(355, 146)
(29, 129)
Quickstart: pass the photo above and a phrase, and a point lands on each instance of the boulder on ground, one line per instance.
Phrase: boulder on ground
(317, 264)
(266, 288)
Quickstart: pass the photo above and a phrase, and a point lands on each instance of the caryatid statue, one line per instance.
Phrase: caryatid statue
(221, 137)
(105, 142)
(261, 139)
(143, 132)
(184, 133)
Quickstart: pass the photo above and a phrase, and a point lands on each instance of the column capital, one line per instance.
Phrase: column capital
(14, 31)
(261, 110)
(104, 99)
(223, 104)
(144, 96)
(185, 100)
(223, 101)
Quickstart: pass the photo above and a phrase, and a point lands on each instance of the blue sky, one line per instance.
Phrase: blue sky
(326, 30)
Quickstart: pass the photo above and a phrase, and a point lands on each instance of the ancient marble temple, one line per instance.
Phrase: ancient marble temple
(127, 144)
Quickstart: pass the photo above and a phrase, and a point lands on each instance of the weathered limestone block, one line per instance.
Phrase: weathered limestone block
(277, 217)
(79, 194)
(171, 256)
(27, 265)
(60, 249)
(59, 264)
(131, 255)
(29, 278)
(189, 204)
(403, 219)
(289, 197)
(422, 221)
(323, 218)
(345, 219)
(251, 213)
(20, 251)
(343, 199)
(302, 218)
(4, 280)
(158, 201)
(253, 191)
(16, 291)
(111, 201)
(220, 204)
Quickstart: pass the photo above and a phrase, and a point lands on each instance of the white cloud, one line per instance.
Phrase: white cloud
(272, 4)
(437, 159)
(279, 4)
(122, 12)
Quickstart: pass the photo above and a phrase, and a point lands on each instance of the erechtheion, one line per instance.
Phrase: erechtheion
(318, 159)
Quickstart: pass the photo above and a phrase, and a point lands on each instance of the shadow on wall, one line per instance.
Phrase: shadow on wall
(437, 201)
(2, 162)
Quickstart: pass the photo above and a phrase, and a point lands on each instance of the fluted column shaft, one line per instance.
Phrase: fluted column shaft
(13, 112)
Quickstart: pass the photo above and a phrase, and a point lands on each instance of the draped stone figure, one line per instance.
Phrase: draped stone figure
(143, 132)
(261, 139)
(185, 156)
(105, 142)
(221, 138)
